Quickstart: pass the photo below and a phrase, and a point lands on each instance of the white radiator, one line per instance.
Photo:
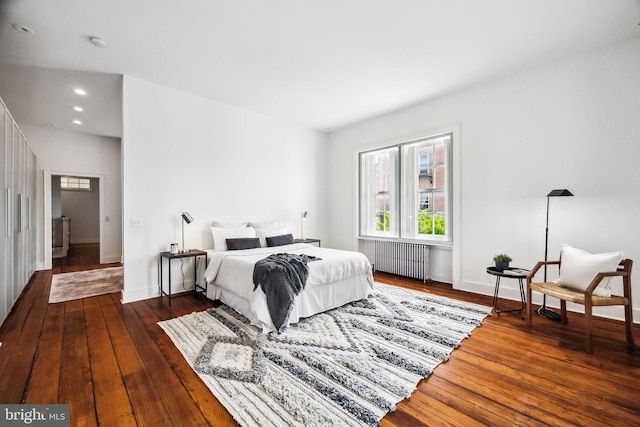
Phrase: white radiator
(401, 258)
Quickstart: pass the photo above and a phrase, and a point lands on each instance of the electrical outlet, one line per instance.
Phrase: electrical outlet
(136, 222)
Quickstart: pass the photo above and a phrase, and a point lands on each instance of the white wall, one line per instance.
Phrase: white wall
(82, 155)
(571, 124)
(182, 152)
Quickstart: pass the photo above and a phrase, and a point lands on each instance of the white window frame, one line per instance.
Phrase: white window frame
(406, 192)
(367, 164)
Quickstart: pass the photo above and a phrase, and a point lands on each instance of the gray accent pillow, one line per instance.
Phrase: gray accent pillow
(284, 239)
(243, 243)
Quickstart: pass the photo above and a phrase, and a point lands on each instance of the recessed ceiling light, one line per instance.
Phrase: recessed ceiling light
(78, 109)
(23, 29)
(77, 122)
(80, 91)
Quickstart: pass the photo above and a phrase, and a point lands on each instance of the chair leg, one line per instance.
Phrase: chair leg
(563, 312)
(628, 322)
(529, 306)
(588, 326)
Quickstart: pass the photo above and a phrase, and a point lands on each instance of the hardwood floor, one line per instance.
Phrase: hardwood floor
(116, 367)
(81, 256)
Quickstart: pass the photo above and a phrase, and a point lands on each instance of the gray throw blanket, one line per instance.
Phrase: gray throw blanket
(282, 277)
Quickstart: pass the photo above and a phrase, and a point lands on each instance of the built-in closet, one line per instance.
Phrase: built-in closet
(17, 213)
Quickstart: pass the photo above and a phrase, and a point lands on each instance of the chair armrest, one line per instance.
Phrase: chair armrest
(537, 267)
(596, 280)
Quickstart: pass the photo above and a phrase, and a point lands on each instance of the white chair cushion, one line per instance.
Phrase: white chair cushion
(578, 268)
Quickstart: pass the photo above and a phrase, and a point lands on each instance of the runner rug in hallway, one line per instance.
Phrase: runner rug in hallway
(84, 284)
(348, 366)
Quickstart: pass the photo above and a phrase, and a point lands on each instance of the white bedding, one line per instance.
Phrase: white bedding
(340, 277)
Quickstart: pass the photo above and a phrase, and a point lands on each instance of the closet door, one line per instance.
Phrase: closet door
(26, 211)
(33, 161)
(4, 305)
(9, 209)
(23, 222)
(16, 212)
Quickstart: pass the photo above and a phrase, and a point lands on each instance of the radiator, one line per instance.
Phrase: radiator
(401, 258)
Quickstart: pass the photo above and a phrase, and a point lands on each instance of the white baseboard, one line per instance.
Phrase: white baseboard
(81, 241)
(112, 259)
(147, 293)
(509, 290)
(139, 294)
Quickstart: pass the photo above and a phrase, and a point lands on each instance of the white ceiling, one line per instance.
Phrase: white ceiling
(320, 64)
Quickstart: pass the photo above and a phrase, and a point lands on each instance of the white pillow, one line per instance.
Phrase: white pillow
(263, 233)
(578, 268)
(264, 224)
(222, 224)
(221, 234)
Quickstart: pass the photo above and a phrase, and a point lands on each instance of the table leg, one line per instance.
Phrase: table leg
(523, 299)
(495, 298)
(495, 295)
(169, 294)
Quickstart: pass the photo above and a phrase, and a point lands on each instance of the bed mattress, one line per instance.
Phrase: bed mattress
(337, 279)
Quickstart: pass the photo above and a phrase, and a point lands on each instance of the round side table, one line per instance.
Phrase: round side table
(512, 273)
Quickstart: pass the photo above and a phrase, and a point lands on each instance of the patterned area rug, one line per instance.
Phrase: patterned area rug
(345, 367)
(84, 284)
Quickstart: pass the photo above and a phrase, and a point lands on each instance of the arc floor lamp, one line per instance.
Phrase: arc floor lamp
(544, 311)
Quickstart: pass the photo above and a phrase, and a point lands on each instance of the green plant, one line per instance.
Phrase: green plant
(383, 226)
(431, 224)
(427, 223)
(502, 258)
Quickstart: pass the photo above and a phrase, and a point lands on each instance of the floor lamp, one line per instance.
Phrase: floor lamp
(544, 311)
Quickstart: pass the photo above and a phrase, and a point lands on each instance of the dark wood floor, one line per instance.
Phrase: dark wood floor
(116, 367)
(81, 256)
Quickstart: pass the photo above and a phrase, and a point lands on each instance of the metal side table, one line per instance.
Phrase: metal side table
(193, 253)
(512, 273)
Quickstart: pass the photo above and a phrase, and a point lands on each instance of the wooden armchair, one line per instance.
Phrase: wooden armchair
(586, 298)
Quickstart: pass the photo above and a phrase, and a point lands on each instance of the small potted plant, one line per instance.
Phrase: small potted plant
(502, 261)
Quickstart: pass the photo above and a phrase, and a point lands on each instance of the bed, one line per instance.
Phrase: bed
(337, 278)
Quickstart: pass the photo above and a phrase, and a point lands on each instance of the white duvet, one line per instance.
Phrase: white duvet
(339, 277)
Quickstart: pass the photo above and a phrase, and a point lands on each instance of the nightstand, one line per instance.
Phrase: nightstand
(193, 253)
(310, 241)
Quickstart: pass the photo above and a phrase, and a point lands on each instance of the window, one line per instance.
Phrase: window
(405, 190)
(424, 166)
(75, 183)
(380, 167)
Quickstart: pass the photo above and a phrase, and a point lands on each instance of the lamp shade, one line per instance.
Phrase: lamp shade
(560, 193)
(187, 218)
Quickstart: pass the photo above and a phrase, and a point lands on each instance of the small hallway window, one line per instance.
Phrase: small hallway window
(75, 183)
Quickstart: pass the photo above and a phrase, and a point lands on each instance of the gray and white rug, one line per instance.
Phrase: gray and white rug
(345, 367)
(85, 284)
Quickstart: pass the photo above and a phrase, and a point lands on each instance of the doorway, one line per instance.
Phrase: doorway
(83, 211)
